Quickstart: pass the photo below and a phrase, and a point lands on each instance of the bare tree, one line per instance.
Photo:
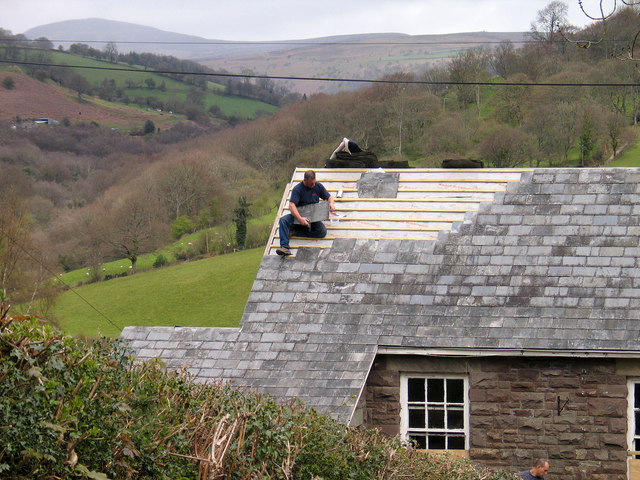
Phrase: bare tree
(269, 158)
(111, 52)
(131, 226)
(543, 124)
(504, 59)
(467, 67)
(550, 22)
(513, 100)
(591, 132)
(14, 237)
(450, 135)
(184, 186)
(566, 123)
(615, 124)
(506, 147)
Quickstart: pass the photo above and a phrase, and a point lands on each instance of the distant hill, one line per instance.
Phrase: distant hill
(139, 38)
(359, 57)
(346, 56)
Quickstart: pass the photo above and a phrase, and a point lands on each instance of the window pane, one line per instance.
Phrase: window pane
(416, 389)
(455, 391)
(637, 415)
(436, 442)
(421, 441)
(636, 396)
(416, 418)
(456, 443)
(455, 419)
(436, 418)
(435, 412)
(435, 390)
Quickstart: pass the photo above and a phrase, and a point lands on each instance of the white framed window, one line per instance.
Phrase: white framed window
(434, 411)
(633, 416)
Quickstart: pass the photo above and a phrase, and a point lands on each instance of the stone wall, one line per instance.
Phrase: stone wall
(514, 415)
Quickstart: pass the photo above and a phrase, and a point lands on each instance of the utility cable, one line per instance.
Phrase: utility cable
(54, 275)
(326, 79)
(276, 42)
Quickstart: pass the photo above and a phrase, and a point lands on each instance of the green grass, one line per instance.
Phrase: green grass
(240, 107)
(96, 76)
(208, 292)
(146, 261)
(630, 158)
(204, 293)
(174, 90)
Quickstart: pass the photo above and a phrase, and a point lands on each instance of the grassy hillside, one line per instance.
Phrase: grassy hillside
(31, 99)
(95, 75)
(204, 293)
(173, 90)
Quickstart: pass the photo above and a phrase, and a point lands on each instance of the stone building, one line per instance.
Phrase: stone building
(493, 313)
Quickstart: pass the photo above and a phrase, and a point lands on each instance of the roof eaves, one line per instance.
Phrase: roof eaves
(507, 352)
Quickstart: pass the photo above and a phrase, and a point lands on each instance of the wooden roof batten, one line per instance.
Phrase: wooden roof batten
(428, 201)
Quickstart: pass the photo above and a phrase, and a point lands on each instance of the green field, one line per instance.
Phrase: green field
(204, 293)
(95, 75)
(174, 90)
(630, 158)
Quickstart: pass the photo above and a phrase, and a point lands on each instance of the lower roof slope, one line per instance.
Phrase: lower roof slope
(549, 266)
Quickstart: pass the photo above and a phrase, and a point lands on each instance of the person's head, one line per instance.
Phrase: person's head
(309, 179)
(541, 468)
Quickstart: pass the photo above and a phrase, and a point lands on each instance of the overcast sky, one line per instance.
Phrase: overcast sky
(292, 19)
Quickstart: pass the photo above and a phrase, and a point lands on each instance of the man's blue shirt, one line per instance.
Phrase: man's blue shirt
(526, 475)
(302, 195)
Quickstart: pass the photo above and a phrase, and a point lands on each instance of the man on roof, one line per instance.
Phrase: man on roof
(307, 192)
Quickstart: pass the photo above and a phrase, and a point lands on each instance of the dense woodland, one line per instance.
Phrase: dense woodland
(82, 194)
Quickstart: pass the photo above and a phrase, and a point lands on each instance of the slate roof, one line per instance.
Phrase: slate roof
(413, 204)
(547, 266)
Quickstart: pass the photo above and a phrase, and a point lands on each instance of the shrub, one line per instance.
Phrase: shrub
(241, 214)
(258, 235)
(8, 83)
(160, 261)
(110, 276)
(221, 241)
(149, 127)
(93, 275)
(200, 243)
(77, 409)
(183, 254)
(69, 262)
(179, 133)
(181, 226)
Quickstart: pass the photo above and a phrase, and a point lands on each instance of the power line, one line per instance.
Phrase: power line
(326, 79)
(282, 42)
(54, 275)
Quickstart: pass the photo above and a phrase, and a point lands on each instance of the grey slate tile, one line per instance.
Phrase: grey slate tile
(551, 263)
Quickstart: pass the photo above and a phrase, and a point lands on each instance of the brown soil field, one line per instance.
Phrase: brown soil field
(31, 99)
